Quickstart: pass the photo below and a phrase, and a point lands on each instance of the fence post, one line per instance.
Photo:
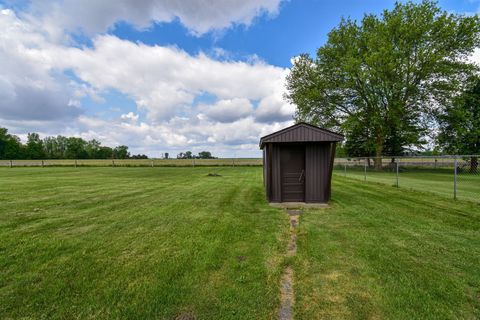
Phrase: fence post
(42, 164)
(113, 163)
(11, 164)
(345, 169)
(75, 163)
(455, 179)
(233, 162)
(365, 169)
(194, 162)
(152, 163)
(397, 172)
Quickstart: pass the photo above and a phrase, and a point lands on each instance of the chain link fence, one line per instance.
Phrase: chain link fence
(456, 177)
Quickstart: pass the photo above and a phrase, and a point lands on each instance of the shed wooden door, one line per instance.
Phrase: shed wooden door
(292, 167)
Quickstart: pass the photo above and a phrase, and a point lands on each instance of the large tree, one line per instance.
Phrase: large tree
(34, 147)
(460, 124)
(380, 80)
(121, 152)
(93, 148)
(76, 148)
(55, 147)
(205, 155)
(10, 145)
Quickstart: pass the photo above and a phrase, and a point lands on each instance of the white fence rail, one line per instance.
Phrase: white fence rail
(132, 162)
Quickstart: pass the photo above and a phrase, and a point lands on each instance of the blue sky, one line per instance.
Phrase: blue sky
(162, 76)
(301, 26)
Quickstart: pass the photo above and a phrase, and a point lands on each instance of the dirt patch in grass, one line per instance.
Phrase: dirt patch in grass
(241, 258)
(214, 175)
(334, 275)
(294, 212)
(292, 243)
(287, 297)
(189, 315)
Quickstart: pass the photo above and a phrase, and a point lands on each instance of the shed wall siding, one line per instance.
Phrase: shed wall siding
(317, 158)
(276, 178)
(265, 168)
(333, 147)
(318, 170)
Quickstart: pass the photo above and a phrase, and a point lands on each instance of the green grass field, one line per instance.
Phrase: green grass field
(137, 243)
(166, 243)
(386, 253)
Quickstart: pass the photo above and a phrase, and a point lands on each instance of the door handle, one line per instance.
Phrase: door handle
(301, 175)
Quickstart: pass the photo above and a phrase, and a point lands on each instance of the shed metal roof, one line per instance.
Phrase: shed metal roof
(301, 132)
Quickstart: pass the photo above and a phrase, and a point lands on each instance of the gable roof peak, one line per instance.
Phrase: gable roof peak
(301, 132)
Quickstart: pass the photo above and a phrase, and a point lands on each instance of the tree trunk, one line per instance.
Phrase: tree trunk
(377, 161)
(474, 165)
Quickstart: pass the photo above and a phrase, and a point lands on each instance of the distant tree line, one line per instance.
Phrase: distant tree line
(190, 155)
(59, 147)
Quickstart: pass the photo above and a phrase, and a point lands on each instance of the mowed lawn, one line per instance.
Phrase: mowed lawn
(385, 253)
(138, 243)
(166, 243)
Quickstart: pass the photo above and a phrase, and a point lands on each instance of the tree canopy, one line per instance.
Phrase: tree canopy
(381, 80)
(460, 124)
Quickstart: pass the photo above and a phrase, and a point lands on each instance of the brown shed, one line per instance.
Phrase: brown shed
(298, 163)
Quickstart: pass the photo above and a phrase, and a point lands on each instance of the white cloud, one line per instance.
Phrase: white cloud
(274, 108)
(132, 117)
(28, 89)
(228, 110)
(180, 134)
(166, 83)
(199, 16)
